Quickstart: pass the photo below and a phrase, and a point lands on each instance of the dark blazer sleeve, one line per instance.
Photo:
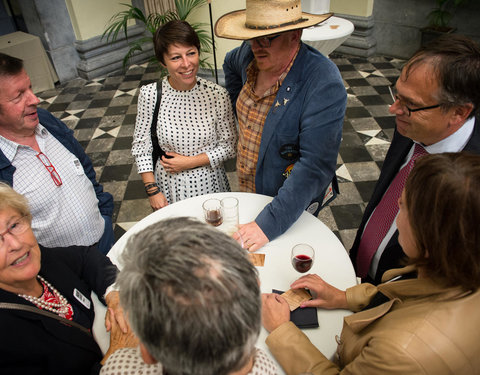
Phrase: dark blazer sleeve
(65, 136)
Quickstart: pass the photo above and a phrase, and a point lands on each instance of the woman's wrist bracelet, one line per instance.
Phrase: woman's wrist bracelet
(150, 185)
(154, 192)
(151, 188)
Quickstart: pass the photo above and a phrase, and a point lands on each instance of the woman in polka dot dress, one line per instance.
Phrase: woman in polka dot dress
(196, 126)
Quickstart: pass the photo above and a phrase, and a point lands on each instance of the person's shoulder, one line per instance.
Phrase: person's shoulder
(209, 85)
(313, 58)
(130, 360)
(45, 116)
(263, 364)
(52, 123)
(241, 53)
(62, 254)
(149, 87)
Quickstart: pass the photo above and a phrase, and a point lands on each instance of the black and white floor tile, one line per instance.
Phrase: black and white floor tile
(102, 114)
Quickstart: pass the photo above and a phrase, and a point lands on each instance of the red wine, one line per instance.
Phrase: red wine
(302, 263)
(214, 217)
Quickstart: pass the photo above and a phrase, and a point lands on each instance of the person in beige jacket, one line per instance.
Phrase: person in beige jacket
(423, 319)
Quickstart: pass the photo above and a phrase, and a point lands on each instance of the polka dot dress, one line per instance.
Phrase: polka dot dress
(128, 361)
(190, 122)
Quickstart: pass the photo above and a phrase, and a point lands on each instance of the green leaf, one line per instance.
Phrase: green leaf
(185, 7)
(118, 23)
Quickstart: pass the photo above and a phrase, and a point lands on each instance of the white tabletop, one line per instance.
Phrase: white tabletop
(328, 35)
(331, 260)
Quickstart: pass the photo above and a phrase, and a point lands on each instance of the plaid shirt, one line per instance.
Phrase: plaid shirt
(252, 110)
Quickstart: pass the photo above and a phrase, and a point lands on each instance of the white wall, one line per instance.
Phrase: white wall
(90, 17)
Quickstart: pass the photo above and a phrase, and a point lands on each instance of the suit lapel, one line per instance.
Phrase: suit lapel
(395, 158)
(473, 144)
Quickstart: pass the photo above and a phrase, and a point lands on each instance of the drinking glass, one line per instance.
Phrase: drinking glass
(230, 214)
(212, 210)
(302, 257)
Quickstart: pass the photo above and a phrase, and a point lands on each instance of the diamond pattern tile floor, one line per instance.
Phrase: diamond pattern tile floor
(102, 114)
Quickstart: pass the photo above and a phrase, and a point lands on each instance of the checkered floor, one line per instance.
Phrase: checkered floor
(102, 113)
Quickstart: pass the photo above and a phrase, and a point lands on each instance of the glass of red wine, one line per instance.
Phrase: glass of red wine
(302, 257)
(212, 210)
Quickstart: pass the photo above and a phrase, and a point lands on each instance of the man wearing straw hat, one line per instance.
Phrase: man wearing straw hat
(290, 102)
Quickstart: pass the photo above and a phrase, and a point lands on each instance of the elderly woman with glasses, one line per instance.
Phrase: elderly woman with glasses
(423, 319)
(46, 313)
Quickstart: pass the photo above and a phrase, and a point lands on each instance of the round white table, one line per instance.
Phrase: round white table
(329, 35)
(331, 260)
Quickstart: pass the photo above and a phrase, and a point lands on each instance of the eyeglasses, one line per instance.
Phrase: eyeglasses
(15, 229)
(53, 172)
(403, 106)
(264, 41)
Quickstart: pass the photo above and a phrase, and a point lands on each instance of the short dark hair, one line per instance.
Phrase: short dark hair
(9, 65)
(443, 204)
(192, 297)
(456, 63)
(174, 32)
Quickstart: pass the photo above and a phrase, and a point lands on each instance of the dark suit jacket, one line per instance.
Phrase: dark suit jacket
(393, 255)
(35, 344)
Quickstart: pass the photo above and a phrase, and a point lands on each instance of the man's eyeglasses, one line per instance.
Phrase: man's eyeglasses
(53, 172)
(15, 229)
(264, 41)
(405, 108)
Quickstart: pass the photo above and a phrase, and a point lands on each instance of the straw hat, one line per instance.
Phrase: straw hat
(266, 17)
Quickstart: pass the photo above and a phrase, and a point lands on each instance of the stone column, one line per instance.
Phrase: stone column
(50, 21)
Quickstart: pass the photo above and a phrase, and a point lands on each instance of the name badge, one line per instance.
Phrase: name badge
(81, 298)
(78, 166)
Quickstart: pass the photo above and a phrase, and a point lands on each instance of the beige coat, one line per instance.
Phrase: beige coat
(423, 329)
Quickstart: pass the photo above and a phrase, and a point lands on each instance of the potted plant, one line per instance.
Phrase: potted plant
(439, 19)
(119, 24)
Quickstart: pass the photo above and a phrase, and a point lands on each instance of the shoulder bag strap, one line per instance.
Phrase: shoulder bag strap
(157, 151)
(36, 310)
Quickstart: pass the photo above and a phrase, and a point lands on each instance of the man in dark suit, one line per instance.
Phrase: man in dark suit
(436, 103)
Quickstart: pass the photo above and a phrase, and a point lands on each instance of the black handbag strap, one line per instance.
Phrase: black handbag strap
(157, 151)
(36, 310)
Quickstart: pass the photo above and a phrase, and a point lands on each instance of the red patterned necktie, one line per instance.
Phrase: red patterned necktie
(383, 216)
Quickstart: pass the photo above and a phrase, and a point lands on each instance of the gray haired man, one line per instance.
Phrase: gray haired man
(192, 298)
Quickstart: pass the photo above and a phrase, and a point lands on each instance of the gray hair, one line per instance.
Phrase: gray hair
(192, 297)
(9, 198)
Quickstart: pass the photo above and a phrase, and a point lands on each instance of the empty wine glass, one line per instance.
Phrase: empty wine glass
(302, 257)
